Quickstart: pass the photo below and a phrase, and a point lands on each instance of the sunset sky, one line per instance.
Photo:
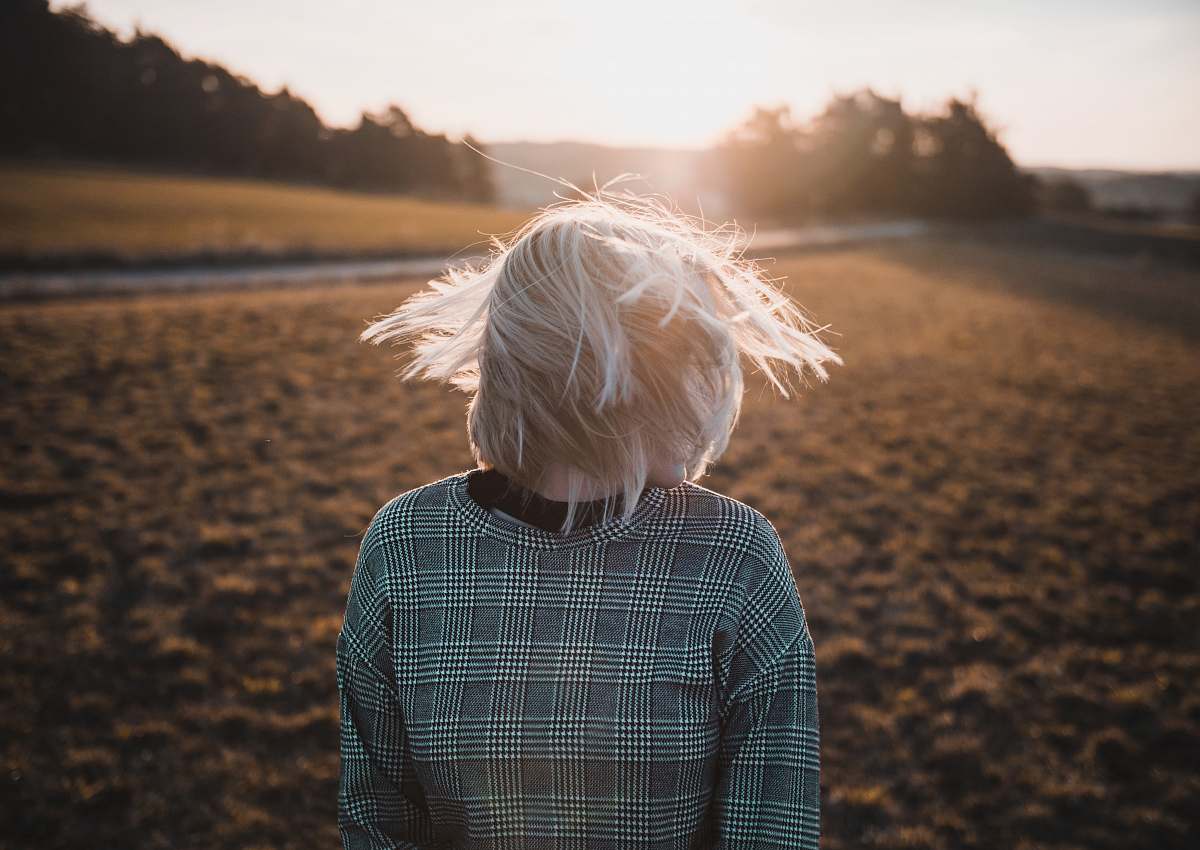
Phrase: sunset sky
(1081, 84)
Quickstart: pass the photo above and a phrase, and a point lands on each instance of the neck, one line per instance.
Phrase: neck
(555, 486)
(555, 482)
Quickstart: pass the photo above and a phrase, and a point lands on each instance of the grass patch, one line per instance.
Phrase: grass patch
(70, 211)
(990, 511)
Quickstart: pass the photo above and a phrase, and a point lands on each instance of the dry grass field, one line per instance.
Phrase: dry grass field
(992, 512)
(66, 212)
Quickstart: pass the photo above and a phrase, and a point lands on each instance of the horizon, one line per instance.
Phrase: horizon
(1087, 86)
(1033, 166)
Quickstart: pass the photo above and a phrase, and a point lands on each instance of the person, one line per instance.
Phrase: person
(575, 644)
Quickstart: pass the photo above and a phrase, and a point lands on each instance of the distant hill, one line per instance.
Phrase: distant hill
(1169, 191)
(674, 172)
(679, 173)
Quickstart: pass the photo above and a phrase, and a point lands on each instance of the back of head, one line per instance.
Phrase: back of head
(604, 337)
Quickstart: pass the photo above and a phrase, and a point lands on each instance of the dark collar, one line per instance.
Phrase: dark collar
(491, 488)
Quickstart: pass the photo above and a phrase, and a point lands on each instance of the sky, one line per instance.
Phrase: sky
(1076, 84)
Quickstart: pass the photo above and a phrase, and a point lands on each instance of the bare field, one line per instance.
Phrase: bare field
(70, 211)
(992, 512)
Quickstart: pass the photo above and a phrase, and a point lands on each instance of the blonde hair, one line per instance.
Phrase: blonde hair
(604, 335)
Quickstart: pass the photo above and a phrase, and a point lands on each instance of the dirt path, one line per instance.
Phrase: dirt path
(16, 285)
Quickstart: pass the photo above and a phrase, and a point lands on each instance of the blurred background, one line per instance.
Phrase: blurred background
(992, 509)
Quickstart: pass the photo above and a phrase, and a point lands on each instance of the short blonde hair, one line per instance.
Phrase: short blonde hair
(604, 335)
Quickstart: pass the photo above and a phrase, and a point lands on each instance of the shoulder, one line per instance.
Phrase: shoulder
(762, 575)
(753, 563)
(761, 616)
(421, 507)
(383, 572)
(707, 508)
(731, 522)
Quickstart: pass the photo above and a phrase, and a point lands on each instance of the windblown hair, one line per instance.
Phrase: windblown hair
(604, 335)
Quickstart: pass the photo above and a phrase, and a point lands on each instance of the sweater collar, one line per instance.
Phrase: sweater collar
(491, 488)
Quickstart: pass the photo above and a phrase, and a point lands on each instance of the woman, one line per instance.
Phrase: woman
(574, 644)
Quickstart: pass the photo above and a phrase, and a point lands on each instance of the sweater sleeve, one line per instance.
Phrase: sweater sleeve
(380, 803)
(768, 791)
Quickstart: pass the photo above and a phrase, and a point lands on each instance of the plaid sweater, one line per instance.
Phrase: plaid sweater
(630, 684)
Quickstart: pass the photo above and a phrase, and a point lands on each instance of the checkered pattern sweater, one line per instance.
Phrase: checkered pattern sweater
(635, 683)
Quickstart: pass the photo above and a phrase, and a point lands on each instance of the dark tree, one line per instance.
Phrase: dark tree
(757, 164)
(865, 155)
(963, 171)
(71, 88)
(1063, 195)
(860, 157)
(475, 171)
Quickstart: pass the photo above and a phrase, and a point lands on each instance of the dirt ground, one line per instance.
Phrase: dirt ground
(992, 512)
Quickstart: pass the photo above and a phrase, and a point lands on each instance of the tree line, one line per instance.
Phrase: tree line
(865, 154)
(74, 89)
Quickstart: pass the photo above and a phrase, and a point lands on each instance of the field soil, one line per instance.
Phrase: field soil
(992, 512)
